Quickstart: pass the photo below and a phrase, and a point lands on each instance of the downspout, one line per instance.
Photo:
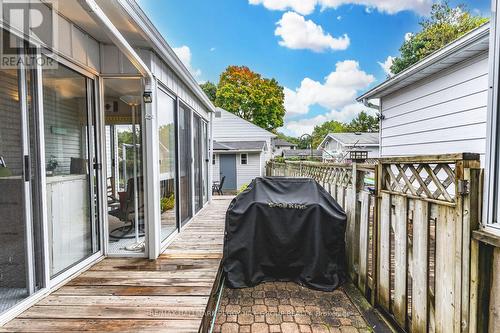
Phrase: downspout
(380, 118)
(152, 212)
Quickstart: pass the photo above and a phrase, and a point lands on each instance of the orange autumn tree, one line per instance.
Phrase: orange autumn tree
(251, 97)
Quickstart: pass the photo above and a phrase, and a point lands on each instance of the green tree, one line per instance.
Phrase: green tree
(320, 131)
(252, 97)
(363, 122)
(210, 89)
(444, 25)
(287, 138)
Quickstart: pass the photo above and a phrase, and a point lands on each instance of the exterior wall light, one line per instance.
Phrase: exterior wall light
(147, 97)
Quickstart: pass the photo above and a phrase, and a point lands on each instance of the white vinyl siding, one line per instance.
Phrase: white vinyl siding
(229, 127)
(216, 168)
(245, 173)
(444, 113)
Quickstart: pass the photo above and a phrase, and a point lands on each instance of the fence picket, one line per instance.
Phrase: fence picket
(385, 251)
(363, 240)
(400, 236)
(420, 267)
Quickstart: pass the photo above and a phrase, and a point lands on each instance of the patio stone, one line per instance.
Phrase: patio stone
(290, 328)
(285, 307)
(274, 328)
(230, 328)
(260, 328)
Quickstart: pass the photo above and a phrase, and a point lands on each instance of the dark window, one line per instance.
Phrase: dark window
(244, 158)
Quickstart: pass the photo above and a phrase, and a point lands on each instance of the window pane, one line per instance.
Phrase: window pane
(185, 179)
(67, 167)
(166, 128)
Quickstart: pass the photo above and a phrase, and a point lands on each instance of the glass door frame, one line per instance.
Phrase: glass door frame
(147, 169)
(28, 188)
(48, 284)
(164, 243)
(93, 112)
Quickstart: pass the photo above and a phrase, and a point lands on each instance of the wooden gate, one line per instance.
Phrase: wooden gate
(428, 207)
(408, 237)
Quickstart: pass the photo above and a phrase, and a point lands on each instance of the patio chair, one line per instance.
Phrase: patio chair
(217, 186)
(126, 213)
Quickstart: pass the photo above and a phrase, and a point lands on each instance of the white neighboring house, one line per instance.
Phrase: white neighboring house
(336, 146)
(438, 105)
(279, 145)
(241, 150)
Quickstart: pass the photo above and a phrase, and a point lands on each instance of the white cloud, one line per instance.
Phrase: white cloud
(339, 18)
(306, 125)
(386, 65)
(184, 54)
(212, 49)
(299, 33)
(306, 7)
(408, 35)
(338, 90)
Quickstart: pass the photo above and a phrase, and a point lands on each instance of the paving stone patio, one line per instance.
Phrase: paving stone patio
(289, 308)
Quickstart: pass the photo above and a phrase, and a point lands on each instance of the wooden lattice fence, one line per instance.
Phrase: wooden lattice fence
(409, 236)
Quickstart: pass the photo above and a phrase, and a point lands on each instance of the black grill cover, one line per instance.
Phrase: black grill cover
(285, 229)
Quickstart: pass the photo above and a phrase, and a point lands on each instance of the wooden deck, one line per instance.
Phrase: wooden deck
(169, 294)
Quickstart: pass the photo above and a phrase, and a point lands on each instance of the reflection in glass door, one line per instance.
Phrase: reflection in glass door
(69, 167)
(198, 160)
(185, 160)
(124, 156)
(166, 150)
(21, 273)
(205, 161)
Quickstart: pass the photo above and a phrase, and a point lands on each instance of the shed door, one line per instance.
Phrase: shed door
(228, 169)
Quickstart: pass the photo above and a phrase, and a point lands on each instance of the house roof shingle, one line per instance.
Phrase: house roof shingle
(283, 143)
(349, 139)
(239, 145)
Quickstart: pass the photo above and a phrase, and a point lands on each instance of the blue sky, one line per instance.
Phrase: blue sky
(324, 52)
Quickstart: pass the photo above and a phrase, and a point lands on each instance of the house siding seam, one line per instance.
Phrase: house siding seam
(444, 113)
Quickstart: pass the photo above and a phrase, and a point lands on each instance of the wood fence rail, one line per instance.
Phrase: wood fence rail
(409, 233)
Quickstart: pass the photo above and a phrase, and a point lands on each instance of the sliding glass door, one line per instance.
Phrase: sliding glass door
(206, 160)
(166, 150)
(70, 167)
(185, 164)
(21, 266)
(198, 162)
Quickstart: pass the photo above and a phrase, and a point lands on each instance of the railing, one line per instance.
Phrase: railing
(409, 236)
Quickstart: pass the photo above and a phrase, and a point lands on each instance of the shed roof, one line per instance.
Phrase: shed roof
(465, 47)
(239, 145)
(357, 138)
(283, 143)
(301, 152)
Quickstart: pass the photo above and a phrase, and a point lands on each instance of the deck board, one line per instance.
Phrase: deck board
(169, 294)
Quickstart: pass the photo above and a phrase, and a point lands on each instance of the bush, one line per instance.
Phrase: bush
(167, 203)
(242, 188)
